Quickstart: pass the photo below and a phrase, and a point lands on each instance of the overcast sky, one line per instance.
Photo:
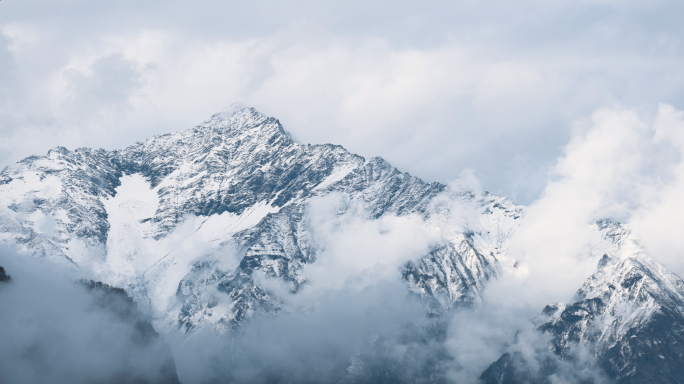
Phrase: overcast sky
(434, 87)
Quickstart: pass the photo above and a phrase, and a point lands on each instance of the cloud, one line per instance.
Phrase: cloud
(659, 220)
(609, 170)
(104, 86)
(622, 164)
(354, 251)
(353, 310)
(55, 330)
(496, 87)
(433, 88)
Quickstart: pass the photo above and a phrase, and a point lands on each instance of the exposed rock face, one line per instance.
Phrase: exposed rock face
(67, 186)
(236, 187)
(4, 277)
(629, 316)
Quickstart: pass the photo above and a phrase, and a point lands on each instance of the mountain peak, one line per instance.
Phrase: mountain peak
(236, 109)
(240, 119)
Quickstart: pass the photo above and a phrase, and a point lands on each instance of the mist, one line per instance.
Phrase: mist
(58, 330)
(353, 320)
(349, 333)
(621, 164)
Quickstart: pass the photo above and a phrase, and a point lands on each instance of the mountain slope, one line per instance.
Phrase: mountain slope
(51, 204)
(629, 315)
(183, 221)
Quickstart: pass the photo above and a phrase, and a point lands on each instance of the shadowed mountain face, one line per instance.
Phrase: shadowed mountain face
(628, 321)
(4, 277)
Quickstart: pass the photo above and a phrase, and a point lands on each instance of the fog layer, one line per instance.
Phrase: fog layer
(56, 330)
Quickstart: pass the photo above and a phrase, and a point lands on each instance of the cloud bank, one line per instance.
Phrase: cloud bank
(433, 88)
(354, 319)
(55, 330)
(621, 164)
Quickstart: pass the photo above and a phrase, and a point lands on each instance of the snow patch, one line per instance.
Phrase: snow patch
(129, 249)
(337, 174)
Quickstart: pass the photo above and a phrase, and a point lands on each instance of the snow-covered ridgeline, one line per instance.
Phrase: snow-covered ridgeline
(184, 220)
(629, 316)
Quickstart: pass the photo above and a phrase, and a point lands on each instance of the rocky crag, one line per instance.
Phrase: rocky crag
(239, 185)
(627, 320)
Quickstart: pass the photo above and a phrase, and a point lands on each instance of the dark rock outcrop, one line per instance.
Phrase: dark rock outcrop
(4, 277)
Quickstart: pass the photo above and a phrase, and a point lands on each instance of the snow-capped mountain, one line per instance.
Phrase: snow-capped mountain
(627, 319)
(208, 227)
(185, 221)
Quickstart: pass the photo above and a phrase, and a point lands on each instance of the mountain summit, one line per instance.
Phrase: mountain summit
(184, 221)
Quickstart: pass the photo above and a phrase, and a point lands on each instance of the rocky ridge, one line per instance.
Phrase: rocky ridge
(627, 320)
(238, 185)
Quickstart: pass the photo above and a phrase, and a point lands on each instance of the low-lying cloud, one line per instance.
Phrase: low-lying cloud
(352, 319)
(57, 330)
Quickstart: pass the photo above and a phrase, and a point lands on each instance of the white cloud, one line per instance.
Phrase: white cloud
(659, 221)
(434, 89)
(603, 173)
(620, 164)
(355, 252)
